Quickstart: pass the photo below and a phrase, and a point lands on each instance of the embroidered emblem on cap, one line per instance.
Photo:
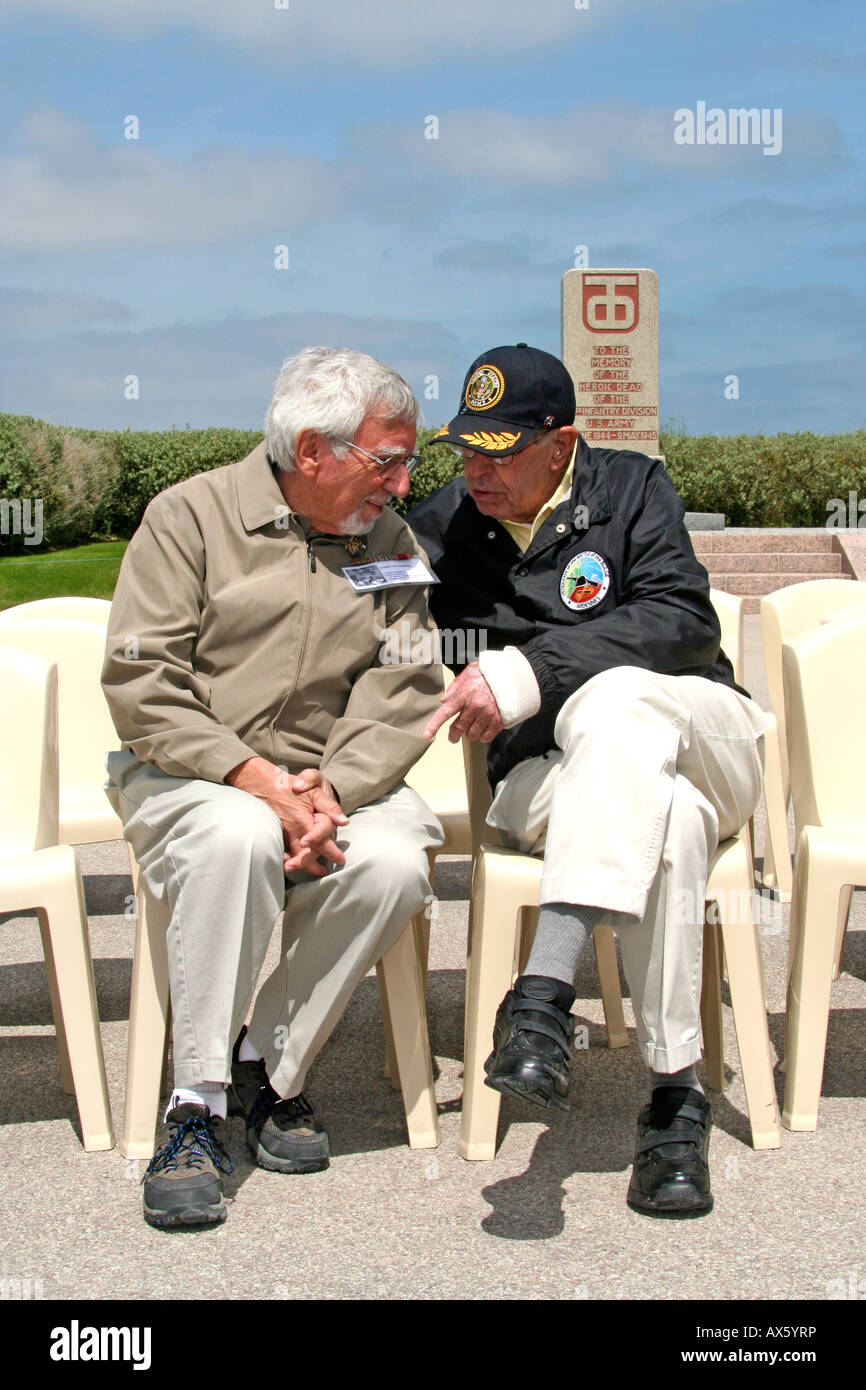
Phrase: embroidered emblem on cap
(483, 439)
(484, 388)
(585, 580)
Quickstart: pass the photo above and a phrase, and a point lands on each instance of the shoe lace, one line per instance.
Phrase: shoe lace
(203, 1145)
(296, 1107)
(267, 1104)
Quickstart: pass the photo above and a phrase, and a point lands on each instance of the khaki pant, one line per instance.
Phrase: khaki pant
(214, 855)
(650, 774)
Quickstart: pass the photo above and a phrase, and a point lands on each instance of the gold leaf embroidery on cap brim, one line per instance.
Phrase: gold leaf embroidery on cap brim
(481, 439)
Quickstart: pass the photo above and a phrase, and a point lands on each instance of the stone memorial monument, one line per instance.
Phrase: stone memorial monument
(610, 345)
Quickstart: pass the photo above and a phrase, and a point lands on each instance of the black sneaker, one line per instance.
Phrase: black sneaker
(532, 1040)
(671, 1176)
(181, 1182)
(284, 1135)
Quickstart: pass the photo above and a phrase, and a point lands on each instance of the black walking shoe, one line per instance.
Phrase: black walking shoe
(532, 1040)
(671, 1176)
(284, 1135)
(181, 1182)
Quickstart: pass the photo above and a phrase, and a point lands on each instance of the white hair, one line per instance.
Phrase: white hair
(332, 391)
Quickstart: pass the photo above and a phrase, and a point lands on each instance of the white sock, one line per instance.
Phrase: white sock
(246, 1051)
(209, 1093)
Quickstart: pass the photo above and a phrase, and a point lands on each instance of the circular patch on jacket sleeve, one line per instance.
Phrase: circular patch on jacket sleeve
(585, 580)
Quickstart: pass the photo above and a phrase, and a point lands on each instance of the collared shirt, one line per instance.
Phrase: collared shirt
(522, 533)
(235, 633)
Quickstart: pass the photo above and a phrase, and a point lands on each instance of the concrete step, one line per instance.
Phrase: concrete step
(807, 566)
(733, 542)
(752, 562)
(755, 584)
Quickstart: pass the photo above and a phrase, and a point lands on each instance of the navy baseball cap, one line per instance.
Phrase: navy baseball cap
(510, 394)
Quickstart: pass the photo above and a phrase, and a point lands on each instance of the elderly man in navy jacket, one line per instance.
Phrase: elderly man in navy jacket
(620, 743)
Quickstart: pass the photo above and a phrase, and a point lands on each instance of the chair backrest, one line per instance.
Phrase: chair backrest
(438, 776)
(824, 673)
(786, 613)
(729, 611)
(851, 613)
(89, 610)
(86, 731)
(480, 795)
(28, 752)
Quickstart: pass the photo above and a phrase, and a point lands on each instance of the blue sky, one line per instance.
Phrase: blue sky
(304, 126)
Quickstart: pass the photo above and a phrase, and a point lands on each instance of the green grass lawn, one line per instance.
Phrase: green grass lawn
(89, 571)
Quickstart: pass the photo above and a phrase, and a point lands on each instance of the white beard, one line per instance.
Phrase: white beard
(354, 525)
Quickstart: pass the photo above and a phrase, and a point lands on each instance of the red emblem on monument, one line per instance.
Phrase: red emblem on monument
(610, 303)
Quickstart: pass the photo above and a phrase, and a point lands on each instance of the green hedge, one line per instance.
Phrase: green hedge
(95, 484)
(766, 480)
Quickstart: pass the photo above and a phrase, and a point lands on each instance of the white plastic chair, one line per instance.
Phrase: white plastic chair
(439, 778)
(71, 632)
(506, 882)
(730, 609)
(501, 929)
(402, 987)
(785, 613)
(68, 607)
(851, 613)
(824, 675)
(37, 872)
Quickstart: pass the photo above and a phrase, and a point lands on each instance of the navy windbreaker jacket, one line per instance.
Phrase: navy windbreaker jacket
(636, 595)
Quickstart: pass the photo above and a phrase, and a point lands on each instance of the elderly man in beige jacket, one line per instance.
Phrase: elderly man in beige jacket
(265, 739)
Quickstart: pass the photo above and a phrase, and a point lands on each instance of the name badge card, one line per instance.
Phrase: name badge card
(386, 574)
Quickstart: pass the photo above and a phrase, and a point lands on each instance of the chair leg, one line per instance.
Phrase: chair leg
(390, 1063)
(133, 867)
(56, 1011)
(488, 978)
(841, 928)
(165, 1079)
(711, 1008)
(62, 917)
(402, 984)
(148, 1023)
(421, 928)
(777, 855)
(741, 941)
(816, 888)
(604, 944)
(526, 929)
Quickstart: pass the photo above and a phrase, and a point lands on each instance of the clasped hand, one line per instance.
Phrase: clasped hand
(307, 808)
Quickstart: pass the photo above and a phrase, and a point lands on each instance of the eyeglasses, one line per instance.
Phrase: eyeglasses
(465, 454)
(386, 466)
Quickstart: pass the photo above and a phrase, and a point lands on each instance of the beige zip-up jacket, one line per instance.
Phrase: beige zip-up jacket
(234, 633)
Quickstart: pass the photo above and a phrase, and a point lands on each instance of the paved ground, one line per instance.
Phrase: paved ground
(546, 1219)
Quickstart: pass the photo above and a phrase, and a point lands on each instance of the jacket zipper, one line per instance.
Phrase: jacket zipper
(308, 596)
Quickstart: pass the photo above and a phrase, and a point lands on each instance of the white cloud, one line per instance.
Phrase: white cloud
(63, 190)
(592, 144)
(212, 372)
(381, 33)
(820, 394)
(32, 313)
